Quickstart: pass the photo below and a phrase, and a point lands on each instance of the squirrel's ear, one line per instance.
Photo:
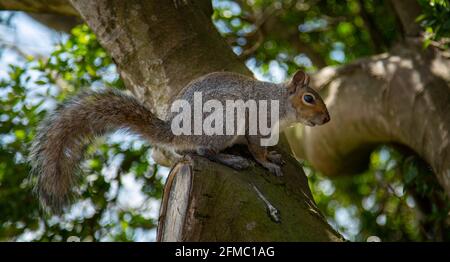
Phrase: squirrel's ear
(299, 80)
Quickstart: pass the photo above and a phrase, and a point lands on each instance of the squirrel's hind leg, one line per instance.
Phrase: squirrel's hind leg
(233, 161)
(270, 161)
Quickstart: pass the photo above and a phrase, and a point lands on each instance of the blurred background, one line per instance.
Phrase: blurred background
(396, 199)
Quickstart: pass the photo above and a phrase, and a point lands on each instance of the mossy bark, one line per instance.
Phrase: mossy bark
(222, 204)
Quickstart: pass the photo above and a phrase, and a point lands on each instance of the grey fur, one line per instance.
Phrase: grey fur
(59, 145)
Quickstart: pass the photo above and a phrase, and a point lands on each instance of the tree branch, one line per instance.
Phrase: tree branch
(57, 22)
(375, 34)
(60, 7)
(407, 11)
(308, 50)
(398, 98)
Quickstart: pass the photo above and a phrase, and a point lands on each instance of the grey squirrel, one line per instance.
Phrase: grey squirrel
(57, 149)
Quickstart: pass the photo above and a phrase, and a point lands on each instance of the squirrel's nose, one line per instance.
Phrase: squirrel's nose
(325, 118)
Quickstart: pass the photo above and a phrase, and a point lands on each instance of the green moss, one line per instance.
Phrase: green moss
(229, 209)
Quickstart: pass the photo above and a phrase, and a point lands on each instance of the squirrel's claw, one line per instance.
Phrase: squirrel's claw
(238, 163)
(274, 169)
(275, 157)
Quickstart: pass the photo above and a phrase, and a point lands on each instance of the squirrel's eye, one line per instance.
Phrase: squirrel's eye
(309, 99)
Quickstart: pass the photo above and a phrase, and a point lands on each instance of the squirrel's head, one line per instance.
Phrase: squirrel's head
(307, 103)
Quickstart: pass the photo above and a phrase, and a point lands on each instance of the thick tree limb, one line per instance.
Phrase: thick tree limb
(55, 14)
(57, 22)
(398, 98)
(60, 7)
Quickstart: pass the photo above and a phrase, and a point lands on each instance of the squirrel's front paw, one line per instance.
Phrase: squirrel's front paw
(274, 169)
(239, 163)
(275, 157)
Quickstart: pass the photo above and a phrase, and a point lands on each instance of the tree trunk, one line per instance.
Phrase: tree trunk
(160, 47)
(204, 201)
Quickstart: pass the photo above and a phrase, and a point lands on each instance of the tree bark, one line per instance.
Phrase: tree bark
(57, 22)
(60, 7)
(407, 11)
(55, 14)
(204, 201)
(160, 47)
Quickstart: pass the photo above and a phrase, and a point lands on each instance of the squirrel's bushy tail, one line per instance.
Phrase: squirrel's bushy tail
(58, 147)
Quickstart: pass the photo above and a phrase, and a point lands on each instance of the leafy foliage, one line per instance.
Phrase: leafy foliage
(309, 34)
(435, 19)
(107, 209)
(396, 199)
